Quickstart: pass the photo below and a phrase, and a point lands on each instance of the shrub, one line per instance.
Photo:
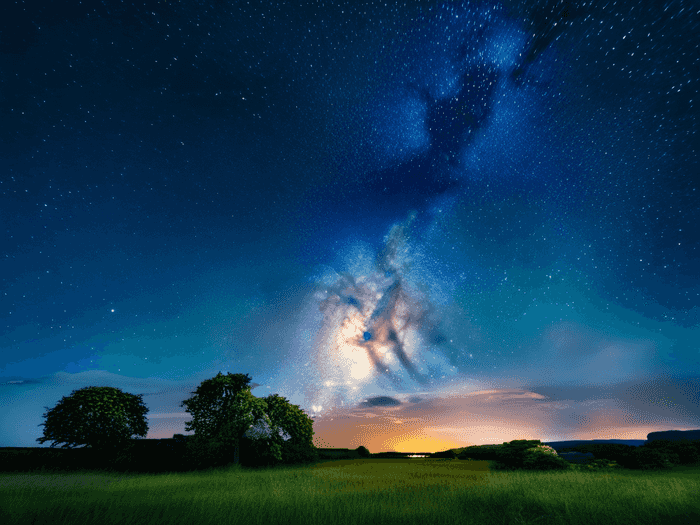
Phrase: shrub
(654, 459)
(688, 452)
(654, 455)
(598, 465)
(297, 453)
(480, 452)
(622, 454)
(544, 458)
(206, 453)
(511, 455)
(363, 452)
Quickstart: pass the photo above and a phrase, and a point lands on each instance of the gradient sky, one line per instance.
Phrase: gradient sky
(428, 224)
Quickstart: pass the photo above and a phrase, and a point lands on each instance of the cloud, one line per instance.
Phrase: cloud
(453, 417)
(384, 401)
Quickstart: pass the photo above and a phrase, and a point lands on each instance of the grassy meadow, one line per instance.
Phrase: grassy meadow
(365, 491)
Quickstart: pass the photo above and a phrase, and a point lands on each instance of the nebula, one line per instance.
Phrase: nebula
(377, 329)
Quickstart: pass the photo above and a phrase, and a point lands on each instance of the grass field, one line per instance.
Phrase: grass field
(362, 492)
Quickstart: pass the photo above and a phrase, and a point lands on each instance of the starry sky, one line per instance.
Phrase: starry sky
(428, 224)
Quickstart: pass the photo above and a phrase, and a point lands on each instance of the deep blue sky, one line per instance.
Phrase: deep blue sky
(428, 224)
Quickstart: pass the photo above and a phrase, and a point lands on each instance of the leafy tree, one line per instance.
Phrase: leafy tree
(263, 443)
(223, 409)
(97, 417)
(363, 452)
(213, 402)
(290, 420)
(225, 413)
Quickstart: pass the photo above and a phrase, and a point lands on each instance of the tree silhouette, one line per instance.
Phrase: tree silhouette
(363, 452)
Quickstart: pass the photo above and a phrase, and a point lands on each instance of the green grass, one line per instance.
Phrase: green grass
(363, 492)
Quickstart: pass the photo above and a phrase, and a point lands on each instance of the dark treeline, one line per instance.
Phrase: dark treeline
(172, 455)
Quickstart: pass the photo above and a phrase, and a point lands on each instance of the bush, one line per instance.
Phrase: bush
(343, 453)
(202, 454)
(597, 466)
(480, 452)
(654, 455)
(687, 452)
(363, 452)
(536, 460)
(511, 455)
(607, 450)
(297, 453)
(623, 455)
(657, 455)
(654, 459)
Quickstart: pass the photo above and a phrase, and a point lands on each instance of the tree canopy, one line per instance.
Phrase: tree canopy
(217, 401)
(224, 410)
(97, 417)
(296, 424)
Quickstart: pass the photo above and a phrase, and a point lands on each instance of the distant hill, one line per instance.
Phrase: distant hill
(560, 445)
(672, 435)
(675, 435)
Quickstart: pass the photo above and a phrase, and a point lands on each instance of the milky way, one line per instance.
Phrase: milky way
(376, 330)
(458, 74)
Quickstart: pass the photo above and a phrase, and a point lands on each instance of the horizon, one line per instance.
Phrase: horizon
(348, 417)
(646, 440)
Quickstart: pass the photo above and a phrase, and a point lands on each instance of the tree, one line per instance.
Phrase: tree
(262, 443)
(224, 411)
(213, 402)
(363, 452)
(290, 420)
(97, 417)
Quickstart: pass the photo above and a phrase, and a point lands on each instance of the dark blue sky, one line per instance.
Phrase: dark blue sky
(428, 224)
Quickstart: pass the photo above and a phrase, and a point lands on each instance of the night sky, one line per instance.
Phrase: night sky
(428, 224)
